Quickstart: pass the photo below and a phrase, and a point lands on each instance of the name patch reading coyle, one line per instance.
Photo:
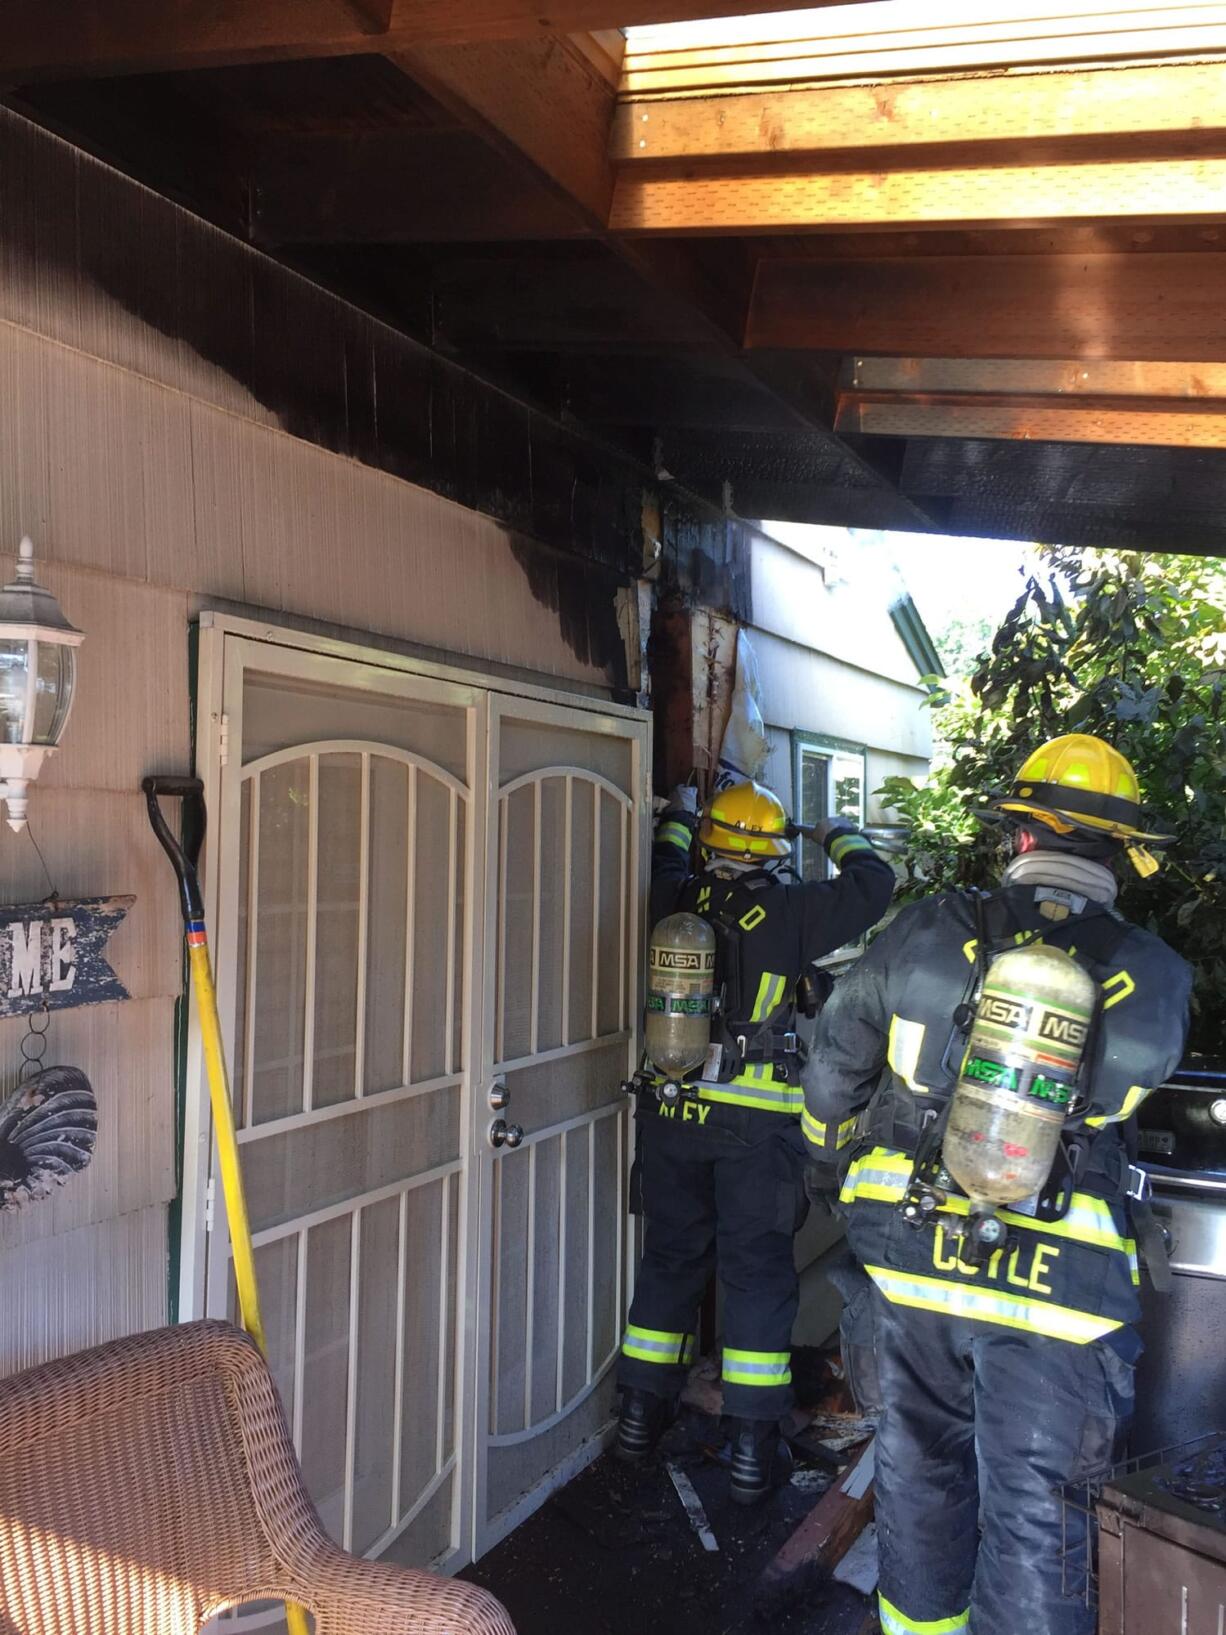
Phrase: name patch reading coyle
(1052, 1025)
(52, 955)
(1028, 1266)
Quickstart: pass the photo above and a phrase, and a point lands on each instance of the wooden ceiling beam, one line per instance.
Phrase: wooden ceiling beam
(888, 42)
(1140, 422)
(775, 200)
(542, 103)
(1180, 105)
(1141, 307)
(65, 39)
(1059, 379)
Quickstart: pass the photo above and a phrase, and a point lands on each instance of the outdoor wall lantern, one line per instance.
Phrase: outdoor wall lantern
(38, 667)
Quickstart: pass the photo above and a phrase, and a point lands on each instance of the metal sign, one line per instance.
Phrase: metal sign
(52, 955)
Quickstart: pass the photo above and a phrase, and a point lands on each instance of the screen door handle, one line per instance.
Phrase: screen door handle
(503, 1134)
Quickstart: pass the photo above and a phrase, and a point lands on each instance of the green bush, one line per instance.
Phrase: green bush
(1131, 647)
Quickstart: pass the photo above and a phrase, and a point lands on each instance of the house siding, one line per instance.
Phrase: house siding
(188, 425)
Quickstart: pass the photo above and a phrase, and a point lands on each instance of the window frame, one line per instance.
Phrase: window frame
(826, 748)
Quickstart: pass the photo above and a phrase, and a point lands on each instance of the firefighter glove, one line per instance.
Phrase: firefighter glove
(826, 830)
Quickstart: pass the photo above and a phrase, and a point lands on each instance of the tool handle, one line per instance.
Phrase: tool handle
(183, 858)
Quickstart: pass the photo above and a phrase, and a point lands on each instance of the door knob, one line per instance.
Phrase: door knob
(500, 1096)
(503, 1134)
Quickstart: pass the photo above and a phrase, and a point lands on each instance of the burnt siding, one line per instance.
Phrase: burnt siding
(280, 349)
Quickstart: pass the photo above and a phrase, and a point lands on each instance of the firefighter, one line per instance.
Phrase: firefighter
(721, 1170)
(1002, 1375)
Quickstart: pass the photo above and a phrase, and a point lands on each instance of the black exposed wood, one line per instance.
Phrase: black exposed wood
(1113, 476)
(711, 393)
(1153, 527)
(828, 506)
(398, 187)
(561, 298)
(333, 375)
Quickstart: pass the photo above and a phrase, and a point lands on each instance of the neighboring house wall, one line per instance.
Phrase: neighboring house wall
(834, 670)
(839, 684)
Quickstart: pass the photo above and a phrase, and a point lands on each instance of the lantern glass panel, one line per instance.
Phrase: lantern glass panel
(57, 668)
(14, 677)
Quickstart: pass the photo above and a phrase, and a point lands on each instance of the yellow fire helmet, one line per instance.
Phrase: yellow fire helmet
(745, 821)
(1078, 784)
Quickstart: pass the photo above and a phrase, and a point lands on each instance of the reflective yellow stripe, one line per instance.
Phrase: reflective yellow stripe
(1136, 1095)
(815, 1130)
(894, 1622)
(1134, 1264)
(1010, 1310)
(770, 996)
(765, 1368)
(656, 1345)
(676, 834)
(906, 1041)
(1118, 987)
(883, 1175)
(750, 1090)
(843, 844)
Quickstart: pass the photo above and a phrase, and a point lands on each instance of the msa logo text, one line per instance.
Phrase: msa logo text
(1007, 1012)
(1063, 1030)
(668, 959)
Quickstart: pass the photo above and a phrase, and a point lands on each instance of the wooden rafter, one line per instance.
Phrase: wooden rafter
(1035, 419)
(1140, 307)
(1062, 379)
(874, 43)
(771, 201)
(1180, 106)
(540, 102)
(62, 39)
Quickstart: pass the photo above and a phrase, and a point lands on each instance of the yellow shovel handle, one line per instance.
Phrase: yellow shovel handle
(231, 1175)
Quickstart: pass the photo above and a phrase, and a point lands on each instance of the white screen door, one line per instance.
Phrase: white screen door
(562, 960)
(418, 885)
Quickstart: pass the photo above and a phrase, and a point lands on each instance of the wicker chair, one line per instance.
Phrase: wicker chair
(149, 1484)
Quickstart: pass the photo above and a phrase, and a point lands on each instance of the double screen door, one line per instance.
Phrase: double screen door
(426, 894)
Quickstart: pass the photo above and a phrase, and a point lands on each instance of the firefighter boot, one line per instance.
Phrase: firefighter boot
(644, 1419)
(759, 1460)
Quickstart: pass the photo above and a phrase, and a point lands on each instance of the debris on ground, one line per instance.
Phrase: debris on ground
(614, 1553)
(858, 1567)
(692, 1506)
(809, 1556)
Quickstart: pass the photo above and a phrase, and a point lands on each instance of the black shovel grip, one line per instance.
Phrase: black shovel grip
(183, 858)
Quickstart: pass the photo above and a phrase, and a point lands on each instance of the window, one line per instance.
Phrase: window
(828, 781)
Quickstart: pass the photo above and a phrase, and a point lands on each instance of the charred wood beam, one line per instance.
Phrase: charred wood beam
(1061, 475)
(1137, 307)
(1153, 527)
(399, 187)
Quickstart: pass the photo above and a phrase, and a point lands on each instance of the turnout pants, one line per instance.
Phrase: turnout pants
(727, 1195)
(980, 1427)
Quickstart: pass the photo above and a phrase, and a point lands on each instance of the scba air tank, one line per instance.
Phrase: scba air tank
(1019, 1075)
(680, 989)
